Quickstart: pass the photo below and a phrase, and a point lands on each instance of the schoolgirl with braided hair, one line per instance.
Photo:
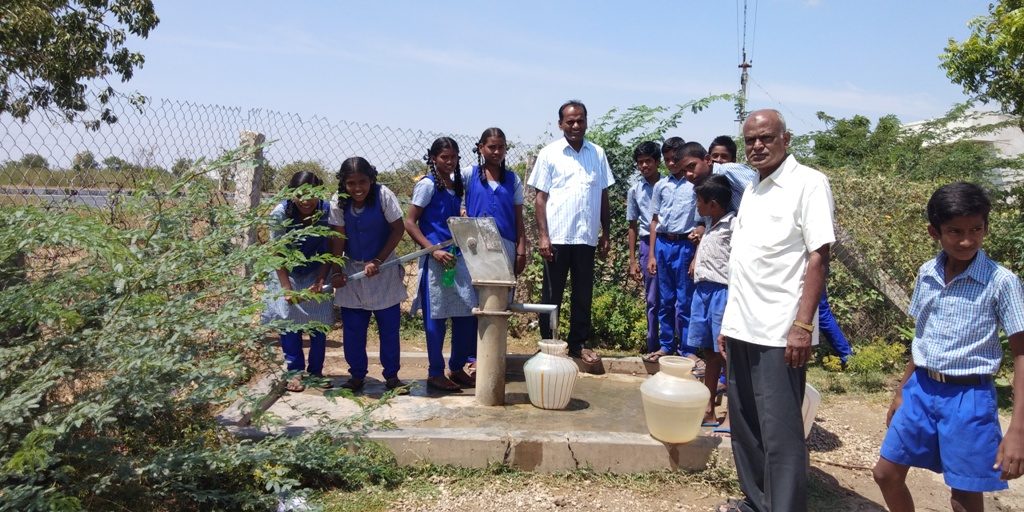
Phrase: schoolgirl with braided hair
(435, 198)
(492, 190)
(369, 217)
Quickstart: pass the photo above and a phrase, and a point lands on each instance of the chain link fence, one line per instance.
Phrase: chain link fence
(47, 160)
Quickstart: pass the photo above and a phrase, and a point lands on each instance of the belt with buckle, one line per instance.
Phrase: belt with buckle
(962, 380)
(674, 236)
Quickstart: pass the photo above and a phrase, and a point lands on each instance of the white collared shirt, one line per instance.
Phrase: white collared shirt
(574, 182)
(783, 218)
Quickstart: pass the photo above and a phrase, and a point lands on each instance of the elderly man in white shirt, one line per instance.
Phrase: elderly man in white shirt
(780, 247)
(571, 177)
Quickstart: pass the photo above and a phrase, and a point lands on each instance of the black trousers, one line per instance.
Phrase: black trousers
(577, 261)
(768, 443)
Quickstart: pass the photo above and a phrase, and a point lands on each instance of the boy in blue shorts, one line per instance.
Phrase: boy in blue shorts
(647, 156)
(711, 279)
(944, 417)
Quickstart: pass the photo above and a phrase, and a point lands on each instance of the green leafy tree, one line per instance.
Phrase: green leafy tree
(114, 163)
(181, 166)
(84, 160)
(949, 147)
(34, 161)
(990, 62)
(52, 50)
(282, 176)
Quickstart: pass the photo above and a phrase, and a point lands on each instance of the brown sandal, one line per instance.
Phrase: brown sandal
(463, 379)
(394, 383)
(441, 383)
(653, 357)
(356, 385)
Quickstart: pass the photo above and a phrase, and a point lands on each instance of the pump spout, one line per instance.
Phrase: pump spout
(552, 309)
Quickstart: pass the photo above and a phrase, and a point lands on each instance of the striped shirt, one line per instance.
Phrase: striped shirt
(638, 206)
(739, 177)
(675, 204)
(712, 259)
(574, 182)
(957, 331)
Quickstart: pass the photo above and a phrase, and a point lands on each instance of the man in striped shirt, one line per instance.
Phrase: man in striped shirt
(571, 178)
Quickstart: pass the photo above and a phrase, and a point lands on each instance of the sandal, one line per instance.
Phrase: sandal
(354, 384)
(654, 356)
(441, 383)
(321, 382)
(587, 356)
(463, 379)
(392, 383)
(294, 384)
(723, 432)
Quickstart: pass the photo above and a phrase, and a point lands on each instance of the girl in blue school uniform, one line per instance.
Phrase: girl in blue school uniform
(492, 190)
(370, 218)
(435, 198)
(282, 304)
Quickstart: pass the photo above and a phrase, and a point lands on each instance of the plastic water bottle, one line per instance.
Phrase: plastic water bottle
(448, 276)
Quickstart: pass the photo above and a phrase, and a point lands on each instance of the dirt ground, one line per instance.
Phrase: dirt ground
(844, 446)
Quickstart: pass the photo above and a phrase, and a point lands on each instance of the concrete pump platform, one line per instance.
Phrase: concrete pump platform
(603, 427)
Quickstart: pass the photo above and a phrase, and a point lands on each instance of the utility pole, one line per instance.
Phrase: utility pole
(741, 101)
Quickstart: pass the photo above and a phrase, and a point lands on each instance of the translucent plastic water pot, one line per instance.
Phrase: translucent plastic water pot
(809, 408)
(550, 376)
(674, 402)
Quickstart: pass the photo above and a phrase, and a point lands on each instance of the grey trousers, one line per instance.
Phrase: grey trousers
(768, 444)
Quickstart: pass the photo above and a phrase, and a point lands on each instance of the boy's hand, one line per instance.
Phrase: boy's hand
(721, 346)
(897, 401)
(693, 265)
(697, 234)
(1010, 456)
(652, 266)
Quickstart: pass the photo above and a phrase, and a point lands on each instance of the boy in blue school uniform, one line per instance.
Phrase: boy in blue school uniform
(944, 417)
(647, 156)
(675, 225)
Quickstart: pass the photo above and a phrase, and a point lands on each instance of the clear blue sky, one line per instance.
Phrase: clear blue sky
(459, 67)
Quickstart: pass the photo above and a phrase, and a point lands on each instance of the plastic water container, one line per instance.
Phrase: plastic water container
(674, 401)
(809, 408)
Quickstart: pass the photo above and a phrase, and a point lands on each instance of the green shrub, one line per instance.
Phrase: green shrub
(128, 337)
(620, 321)
(879, 356)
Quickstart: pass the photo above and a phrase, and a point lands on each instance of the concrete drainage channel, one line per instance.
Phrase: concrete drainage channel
(602, 429)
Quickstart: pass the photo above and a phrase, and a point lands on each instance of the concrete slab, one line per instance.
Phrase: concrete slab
(603, 428)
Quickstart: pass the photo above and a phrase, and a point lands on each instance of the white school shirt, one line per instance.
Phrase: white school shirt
(782, 219)
(574, 182)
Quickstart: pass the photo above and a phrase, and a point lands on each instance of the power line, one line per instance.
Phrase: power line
(790, 114)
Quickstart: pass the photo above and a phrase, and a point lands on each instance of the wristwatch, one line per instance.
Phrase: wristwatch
(805, 326)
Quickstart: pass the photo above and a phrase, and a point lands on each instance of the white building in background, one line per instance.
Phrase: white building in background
(1007, 141)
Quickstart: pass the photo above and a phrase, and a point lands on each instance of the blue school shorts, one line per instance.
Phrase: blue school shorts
(949, 429)
(706, 309)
